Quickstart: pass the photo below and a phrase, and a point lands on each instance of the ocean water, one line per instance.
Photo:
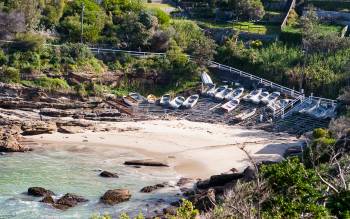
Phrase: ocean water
(75, 169)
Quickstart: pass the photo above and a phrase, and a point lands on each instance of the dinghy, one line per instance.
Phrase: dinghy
(271, 98)
(235, 94)
(263, 95)
(230, 105)
(177, 102)
(318, 112)
(221, 95)
(252, 96)
(273, 106)
(245, 114)
(130, 100)
(210, 90)
(206, 79)
(306, 105)
(151, 98)
(218, 90)
(191, 101)
(165, 100)
(138, 97)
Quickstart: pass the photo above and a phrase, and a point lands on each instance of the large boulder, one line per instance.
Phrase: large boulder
(48, 200)
(115, 196)
(205, 200)
(9, 140)
(39, 191)
(69, 200)
(38, 127)
(148, 189)
(108, 174)
(219, 180)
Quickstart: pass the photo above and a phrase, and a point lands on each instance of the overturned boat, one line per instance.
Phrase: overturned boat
(206, 79)
(191, 101)
(263, 95)
(221, 95)
(209, 90)
(245, 114)
(230, 105)
(218, 90)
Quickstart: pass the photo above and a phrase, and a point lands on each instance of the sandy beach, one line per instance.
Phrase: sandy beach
(193, 149)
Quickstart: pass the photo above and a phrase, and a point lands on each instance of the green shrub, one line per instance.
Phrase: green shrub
(339, 204)
(10, 75)
(162, 16)
(3, 57)
(320, 133)
(28, 42)
(52, 84)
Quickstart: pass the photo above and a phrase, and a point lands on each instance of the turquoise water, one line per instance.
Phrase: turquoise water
(75, 169)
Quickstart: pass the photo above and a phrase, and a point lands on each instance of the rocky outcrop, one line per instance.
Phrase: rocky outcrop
(148, 189)
(115, 196)
(219, 180)
(204, 201)
(48, 200)
(55, 112)
(146, 163)
(38, 127)
(108, 174)
(183, 181)
(69, 200)
(39, 192)
(9, 140)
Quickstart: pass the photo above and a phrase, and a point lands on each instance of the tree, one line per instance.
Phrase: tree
(10, 24)
(31, 9)
(247, 9)
(94, 20)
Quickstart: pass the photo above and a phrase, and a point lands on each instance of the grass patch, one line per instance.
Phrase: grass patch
(322, 28)
(164, 7)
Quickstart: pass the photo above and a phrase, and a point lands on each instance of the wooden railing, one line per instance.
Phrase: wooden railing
(291, 7)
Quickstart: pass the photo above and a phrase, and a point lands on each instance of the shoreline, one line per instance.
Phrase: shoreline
(192, 149)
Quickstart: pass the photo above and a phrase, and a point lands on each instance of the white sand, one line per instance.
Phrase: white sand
(193, 149)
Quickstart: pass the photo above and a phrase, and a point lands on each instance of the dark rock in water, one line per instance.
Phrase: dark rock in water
(171, 210)
(108, 174)
(115, 196)
(2, 153)
(48, 199)
(39, 191)
(149, 189)
(183, 181)
(145, 163)
(69, 200)
(249, 173)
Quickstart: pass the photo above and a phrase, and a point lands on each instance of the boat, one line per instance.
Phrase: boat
(273, 106)
(330, 112)
(206, 79)
(309, 106)
(218, 90)
(235, 94)
(263, 95)
(165, 100)
(318, 112)
(151, 98)
(129, 100)
(221, 95)
(210, 90)
(177, 102)
(245, 114)
(230, 105)
(271, 98)
(138, 97)
(191, 101)
(252, 96)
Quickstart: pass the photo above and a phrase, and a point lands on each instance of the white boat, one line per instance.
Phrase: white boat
(218, 90)
(306, 105)
(206, 79)
(130, 100)
(263, 95)
(210, 90)
(253, 96)
(230, 105)
(138, 97)
(221, 95)
(273, 106)
(245, 114)
(191, 101)
(318, 112)
(271, 98)
(177, 102)
(165, 100)
(235, 94)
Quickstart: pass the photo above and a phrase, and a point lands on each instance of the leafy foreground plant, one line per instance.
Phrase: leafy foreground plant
(185, 211)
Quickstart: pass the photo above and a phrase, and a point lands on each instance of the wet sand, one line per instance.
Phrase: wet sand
(193, 149)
